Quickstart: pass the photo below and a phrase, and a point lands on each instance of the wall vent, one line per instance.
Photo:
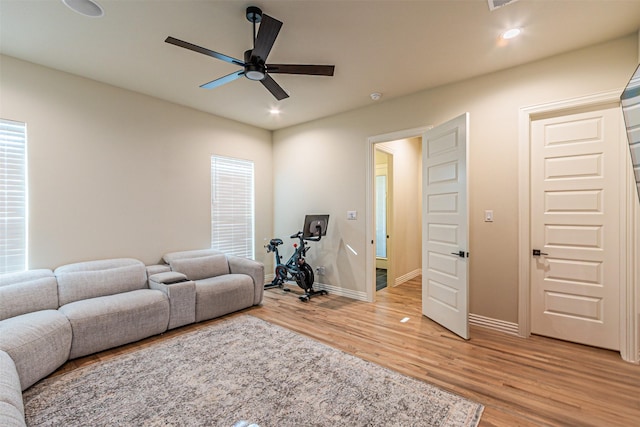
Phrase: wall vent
(495, 4)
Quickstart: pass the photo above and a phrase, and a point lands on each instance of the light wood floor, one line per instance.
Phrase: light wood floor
(522, 382)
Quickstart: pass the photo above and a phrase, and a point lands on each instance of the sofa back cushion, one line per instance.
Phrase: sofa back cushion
(197, 253)
(26, 292)
(100, 278)
(201, 267)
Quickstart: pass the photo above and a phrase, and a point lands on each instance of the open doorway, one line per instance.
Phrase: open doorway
(397, 211)
(434, 237)
(383, 217)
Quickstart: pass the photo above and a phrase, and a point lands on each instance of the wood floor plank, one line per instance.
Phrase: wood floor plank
(522, 382)
(535, 381)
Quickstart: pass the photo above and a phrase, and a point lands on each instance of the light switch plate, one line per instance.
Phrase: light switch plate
(352, 215)
(488, 216)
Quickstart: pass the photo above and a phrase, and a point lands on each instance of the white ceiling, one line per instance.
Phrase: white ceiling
(393, 47)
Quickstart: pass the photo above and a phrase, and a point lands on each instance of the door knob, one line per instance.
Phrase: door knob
(459, 253)
(536, 252)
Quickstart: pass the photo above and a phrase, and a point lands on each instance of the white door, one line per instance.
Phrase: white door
(445, 286)
(575, 225)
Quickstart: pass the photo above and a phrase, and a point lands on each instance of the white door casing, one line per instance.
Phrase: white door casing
(629, 224)
(575, 214)
(370, 274)
(445, 231)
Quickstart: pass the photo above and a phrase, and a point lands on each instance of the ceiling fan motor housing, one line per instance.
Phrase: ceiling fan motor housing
(254, 68)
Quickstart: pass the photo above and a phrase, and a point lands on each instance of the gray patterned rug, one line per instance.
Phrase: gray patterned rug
(242, 369)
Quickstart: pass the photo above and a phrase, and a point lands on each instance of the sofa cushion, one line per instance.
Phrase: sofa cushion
(93, 279)
(217, 296)
(109, 321)
(197, 253)
(37, 342)
(10, 390)
(201, 267)
(26, 292)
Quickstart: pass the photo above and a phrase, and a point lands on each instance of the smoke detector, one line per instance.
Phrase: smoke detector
(375, 96)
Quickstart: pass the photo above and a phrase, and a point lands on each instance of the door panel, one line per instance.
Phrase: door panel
(575, 215)
(445, 285)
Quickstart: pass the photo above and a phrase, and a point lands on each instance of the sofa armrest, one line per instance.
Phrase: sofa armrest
(254, 269)
(157, 268)
(167, 278)
(182, 296)
(11, 405)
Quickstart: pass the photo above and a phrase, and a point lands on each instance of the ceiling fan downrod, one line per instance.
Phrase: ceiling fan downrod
(254, 15)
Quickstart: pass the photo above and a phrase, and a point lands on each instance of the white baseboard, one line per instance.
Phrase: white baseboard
(474, 319)
(495, 324)
(335, 290)
(406, 277)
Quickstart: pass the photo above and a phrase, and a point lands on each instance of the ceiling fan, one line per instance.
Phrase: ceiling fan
(254, 66)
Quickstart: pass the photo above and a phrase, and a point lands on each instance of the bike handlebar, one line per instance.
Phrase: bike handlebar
(299, 235)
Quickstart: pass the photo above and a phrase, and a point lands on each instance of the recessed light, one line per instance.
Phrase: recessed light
(85, 7)
(512, 33)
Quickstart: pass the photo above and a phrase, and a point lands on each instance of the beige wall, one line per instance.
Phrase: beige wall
(334, 152)
(113, 173)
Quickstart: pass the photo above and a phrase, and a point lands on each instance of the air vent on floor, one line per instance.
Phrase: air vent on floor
(495, 4)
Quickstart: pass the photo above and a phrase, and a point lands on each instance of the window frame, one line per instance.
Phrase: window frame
(13, 197)
(233, 206)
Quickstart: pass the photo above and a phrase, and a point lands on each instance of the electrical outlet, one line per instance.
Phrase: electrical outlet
(321, 270)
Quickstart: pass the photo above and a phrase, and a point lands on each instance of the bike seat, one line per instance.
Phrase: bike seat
(275, 242)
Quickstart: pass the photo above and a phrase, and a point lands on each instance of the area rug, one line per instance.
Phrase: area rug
(241, 371)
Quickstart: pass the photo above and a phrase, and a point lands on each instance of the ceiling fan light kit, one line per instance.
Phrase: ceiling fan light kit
(254, 65)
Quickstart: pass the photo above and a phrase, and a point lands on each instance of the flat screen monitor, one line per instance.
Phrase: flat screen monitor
(315, 226)
(630, 100)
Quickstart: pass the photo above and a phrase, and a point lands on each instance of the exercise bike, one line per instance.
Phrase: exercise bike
(296, 268)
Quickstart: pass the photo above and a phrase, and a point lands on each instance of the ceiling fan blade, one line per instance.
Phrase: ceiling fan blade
(312, 70)
(274, 88)
(222, 80)
(269, 29)
(203, 51)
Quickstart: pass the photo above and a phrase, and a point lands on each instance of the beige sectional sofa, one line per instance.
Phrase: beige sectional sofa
(48, 317)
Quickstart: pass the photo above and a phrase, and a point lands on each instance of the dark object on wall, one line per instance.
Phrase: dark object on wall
(254, 64)
(630, 100)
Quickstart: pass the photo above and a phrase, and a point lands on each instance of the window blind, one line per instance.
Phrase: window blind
(13, 196)
(232, 206)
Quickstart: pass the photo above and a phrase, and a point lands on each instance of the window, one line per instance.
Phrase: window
(13, 196)
(232, 206)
